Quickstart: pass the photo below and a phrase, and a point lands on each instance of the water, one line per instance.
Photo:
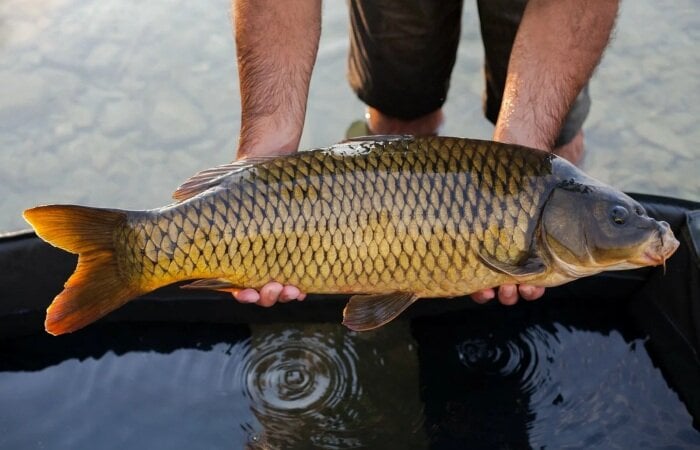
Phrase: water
(540, 376)
(115, 102)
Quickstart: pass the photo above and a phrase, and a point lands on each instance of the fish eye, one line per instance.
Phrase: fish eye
(619, 214)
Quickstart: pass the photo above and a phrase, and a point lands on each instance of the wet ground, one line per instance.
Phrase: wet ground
(114, 103)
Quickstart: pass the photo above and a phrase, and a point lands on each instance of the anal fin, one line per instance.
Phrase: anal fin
(366, 312)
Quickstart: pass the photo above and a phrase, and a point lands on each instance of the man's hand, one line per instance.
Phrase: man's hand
(276, 43)
(557, 47)
(270, 294)
(508, 294)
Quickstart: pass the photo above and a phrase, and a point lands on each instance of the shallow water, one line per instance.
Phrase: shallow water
(115, 102)
(537, 376)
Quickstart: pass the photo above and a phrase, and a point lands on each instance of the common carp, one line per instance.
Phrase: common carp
(389, 220)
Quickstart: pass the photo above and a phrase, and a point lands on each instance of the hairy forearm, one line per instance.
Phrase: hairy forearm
(558, 45)
(276, 43)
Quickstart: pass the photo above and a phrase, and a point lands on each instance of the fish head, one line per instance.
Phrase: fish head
(589, 228)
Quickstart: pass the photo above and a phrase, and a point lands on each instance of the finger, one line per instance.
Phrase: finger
(508, 294)
(289, 293)
(247, 296)
(301, 296)
(483, 296)
(530, 293)
(269, 294)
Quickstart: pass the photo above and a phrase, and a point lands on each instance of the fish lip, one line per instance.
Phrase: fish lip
(653, 258)
(659, 255)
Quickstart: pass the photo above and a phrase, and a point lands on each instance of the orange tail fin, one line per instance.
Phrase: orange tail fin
(96, 287)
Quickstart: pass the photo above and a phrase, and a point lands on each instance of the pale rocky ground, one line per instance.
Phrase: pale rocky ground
(115, 102)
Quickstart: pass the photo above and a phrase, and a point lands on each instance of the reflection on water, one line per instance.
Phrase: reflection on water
(514, 378)
(532, 376)
(302, 387)
(178, 386)
(326, 387)
(516, 358)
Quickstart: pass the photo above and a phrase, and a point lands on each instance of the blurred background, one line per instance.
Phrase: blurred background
(115, 102)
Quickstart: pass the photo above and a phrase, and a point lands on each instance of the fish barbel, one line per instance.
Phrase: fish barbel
(389, 219)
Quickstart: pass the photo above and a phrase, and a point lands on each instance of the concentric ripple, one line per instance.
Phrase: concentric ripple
(518, 358)
(291, 375)
(322, 386)
(302, 386)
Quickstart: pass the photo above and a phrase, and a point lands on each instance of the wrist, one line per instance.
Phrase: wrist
(521, 134)
(267, 139)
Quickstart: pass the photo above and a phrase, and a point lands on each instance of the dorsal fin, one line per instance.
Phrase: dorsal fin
(201, 181)
(378, 138)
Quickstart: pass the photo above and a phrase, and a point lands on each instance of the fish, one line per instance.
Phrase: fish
(388, 220)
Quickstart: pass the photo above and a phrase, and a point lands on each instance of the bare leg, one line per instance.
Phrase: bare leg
(427, 125)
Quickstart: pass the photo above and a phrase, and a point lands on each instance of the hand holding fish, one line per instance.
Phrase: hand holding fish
(388, 221)
(537, 95)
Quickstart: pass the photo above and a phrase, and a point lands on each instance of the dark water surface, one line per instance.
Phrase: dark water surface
(541, 376)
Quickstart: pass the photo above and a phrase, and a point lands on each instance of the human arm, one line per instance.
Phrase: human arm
(276, 44)
(557, 47)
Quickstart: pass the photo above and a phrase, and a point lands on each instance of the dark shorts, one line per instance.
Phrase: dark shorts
(402, 53)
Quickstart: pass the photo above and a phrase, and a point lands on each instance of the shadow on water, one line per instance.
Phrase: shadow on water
(545, 376)
(263, 386)
(548, 374)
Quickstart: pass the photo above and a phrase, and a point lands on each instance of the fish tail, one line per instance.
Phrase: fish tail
(96, 286)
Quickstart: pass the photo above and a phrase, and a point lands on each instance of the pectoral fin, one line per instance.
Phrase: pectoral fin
(531, 267)
(366, 312)
(214, 284)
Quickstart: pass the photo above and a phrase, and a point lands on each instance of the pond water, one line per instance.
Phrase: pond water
(115, 102)
(564, 375)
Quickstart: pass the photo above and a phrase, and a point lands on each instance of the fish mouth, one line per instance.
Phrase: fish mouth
(662, 247)
(651, 258)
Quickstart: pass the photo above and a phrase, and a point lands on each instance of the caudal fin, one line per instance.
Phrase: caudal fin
(96, 287)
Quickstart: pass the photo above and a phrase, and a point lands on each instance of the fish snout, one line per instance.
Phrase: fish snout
(661, 246)
(667, 240)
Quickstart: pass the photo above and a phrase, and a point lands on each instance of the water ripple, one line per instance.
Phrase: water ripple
(303, 386)
(518, 358)
(287, 375)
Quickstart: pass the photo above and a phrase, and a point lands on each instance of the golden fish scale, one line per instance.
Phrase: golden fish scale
(407, 215)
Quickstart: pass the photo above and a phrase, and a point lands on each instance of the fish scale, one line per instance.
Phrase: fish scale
(403, 215)
(391, 219)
